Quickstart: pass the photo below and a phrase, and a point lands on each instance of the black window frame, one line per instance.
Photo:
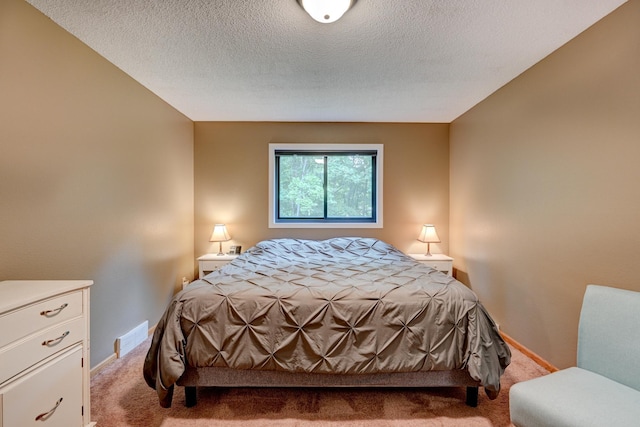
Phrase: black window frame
(325, 219)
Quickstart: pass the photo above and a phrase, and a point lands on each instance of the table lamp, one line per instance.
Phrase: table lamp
(428, 235)
(219, 235)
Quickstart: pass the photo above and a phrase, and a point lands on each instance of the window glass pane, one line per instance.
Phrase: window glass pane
(325, 185)
(349, 186)
(301, 186)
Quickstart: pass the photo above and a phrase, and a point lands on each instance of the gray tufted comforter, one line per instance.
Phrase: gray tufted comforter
(339, 306)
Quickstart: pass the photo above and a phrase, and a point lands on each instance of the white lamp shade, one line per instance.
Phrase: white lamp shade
(219, 233)
(326, 11)
(428, 234)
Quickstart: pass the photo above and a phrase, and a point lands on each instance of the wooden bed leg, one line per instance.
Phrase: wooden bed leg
(190, 398)
(472, 396)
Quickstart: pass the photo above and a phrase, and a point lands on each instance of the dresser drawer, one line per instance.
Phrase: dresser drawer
(50, 395)
(36, 317)
(22, 354)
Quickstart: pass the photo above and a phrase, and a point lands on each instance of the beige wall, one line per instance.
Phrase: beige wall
(545, 186)
(96, 176)
(231, 179)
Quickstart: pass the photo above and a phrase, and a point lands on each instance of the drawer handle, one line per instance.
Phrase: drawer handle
(45, 416)
(50, 343)
(51, 313)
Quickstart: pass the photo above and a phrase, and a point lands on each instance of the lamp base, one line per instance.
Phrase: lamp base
(220, 249)
(428, 250)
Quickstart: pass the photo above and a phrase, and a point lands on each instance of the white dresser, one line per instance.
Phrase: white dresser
(44, 353)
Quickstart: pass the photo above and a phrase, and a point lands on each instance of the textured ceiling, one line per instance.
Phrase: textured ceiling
(267, 60)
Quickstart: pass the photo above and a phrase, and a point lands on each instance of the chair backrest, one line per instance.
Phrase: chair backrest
(609, 334)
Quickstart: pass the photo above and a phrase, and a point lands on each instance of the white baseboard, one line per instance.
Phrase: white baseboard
(112, 358)
(100, 366)
(130, 340)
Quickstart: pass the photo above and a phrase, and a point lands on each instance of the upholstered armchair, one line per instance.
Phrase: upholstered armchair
(604, 388)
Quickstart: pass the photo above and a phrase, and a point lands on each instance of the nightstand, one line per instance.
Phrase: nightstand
(440, 262)
(210, 262)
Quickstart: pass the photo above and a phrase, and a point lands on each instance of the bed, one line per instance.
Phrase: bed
(342, 312)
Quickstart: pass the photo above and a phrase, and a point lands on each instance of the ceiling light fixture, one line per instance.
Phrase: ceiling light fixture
(326, 11)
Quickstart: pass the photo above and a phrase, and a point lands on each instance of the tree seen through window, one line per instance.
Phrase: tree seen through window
(326, 186)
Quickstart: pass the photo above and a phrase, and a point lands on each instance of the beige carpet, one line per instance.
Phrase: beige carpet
(120, 397)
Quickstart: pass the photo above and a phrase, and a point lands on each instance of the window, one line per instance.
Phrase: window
(325, 185)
